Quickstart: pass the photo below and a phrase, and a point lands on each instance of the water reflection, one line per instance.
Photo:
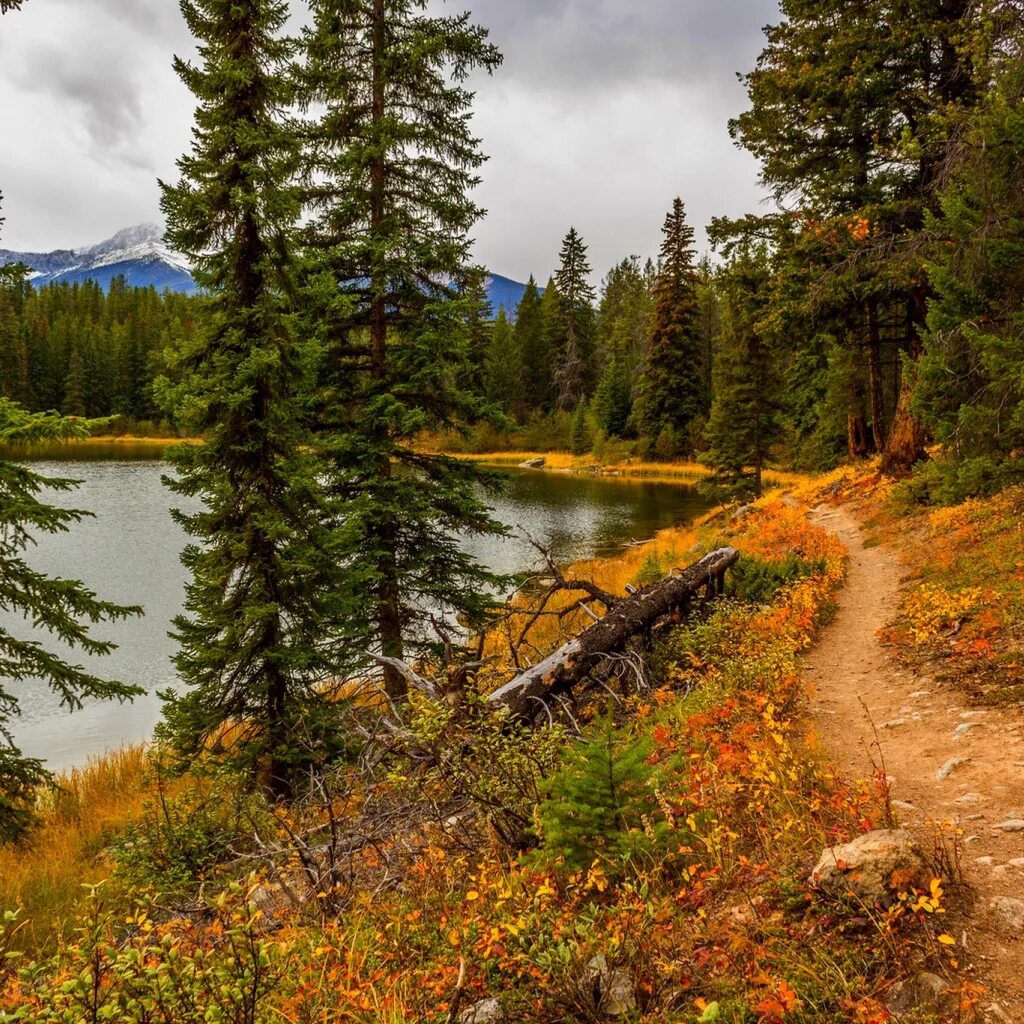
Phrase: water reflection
(129, 552)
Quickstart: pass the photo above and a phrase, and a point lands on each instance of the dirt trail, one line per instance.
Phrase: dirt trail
(923, 727)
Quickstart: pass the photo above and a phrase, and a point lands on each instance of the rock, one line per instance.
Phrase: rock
(969, 800)
(984, 862)
(872, 866)
(533, 463)
(1009, 912)
(614, 987)
(950, 766)
(918, 694)
(894, 724)
(742, 513)
(1012, 826)
(489, 1011)
(924, 991)
(963, 730)
(903, 805)
(1017, 862)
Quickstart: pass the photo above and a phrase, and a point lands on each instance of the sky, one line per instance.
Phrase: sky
(603, 112)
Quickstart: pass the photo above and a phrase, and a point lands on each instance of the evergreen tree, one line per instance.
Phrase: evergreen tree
(554, 345)
(625, 314)
(599, 802)
(573, 376)
(534, 362)
(502, 365)
(612, 401)
(744, 420)
(251, 642)
(971, 388)
(671, 393)
(580, 439)
(58, 607)
(395, 164)
(74, 386)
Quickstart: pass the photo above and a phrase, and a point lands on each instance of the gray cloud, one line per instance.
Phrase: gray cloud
(99, 81)
(603, 111)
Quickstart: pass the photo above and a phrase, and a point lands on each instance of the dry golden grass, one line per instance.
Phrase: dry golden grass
(44, 877)
(666, 471)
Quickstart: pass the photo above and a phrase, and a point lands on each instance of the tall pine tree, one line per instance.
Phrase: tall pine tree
(533, 356)
(574, 370)
(395, 164)
(251, 640)
(672, 391)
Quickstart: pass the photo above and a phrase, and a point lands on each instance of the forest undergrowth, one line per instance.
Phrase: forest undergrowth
(648, 855)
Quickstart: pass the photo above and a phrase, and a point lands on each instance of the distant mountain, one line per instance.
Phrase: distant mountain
(141, 257)
(138, 254)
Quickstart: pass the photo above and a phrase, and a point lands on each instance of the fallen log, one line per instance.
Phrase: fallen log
(527, 693)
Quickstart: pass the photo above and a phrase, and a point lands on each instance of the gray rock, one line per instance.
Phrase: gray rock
(533, 464)
(871, 866)
(924, 991)
(951, 766)
(969, 800)
(1012, 826)
(614, 987)
(1009, 913)
(489, 1011)
(965, 729)
(894, 724)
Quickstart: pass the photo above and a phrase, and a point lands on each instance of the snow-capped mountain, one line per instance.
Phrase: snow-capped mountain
(140, 255)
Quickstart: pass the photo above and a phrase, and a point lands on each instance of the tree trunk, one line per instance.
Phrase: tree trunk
(875, 377)
(527, 694)
(907, 437)
(389, 614)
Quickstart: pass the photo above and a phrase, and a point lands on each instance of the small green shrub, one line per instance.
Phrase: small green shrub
(601, 804)
(755, 581)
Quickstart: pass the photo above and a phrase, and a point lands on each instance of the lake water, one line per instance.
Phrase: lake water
(129, 553)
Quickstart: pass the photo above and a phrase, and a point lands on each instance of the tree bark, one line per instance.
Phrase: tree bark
(527, 694)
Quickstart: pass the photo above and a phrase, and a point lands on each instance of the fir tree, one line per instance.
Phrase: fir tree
(744, 420)
(395, 164)
(573, 377)
(534, 363)
(612, 401)
(580, 439)
(502, 365)
(251, 641)
(58, 607)
(625, 314)
(671, 393)
(554, 345)
(74, 386)
(598, 802)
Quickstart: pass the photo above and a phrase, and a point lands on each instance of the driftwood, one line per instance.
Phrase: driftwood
(629, 617)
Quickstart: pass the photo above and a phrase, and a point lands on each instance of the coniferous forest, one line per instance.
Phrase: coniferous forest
(395, 784)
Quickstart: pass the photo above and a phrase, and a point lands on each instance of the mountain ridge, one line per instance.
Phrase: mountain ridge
(140, 255)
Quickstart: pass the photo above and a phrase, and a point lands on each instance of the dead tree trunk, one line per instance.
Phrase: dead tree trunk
(529, 692)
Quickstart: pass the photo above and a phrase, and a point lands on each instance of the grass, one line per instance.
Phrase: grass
(45, 875)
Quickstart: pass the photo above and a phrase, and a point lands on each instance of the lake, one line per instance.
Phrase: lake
(129, 553)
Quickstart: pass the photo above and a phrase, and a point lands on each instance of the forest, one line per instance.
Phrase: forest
(385, 790)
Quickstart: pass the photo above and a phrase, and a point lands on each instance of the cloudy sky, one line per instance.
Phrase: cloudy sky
(603, 111)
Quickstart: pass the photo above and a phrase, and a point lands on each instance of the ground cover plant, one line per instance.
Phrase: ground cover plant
(508, 878)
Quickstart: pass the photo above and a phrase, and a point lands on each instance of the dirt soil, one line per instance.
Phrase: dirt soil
(946, 761)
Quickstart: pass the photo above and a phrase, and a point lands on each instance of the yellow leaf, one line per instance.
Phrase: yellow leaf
(947, 940)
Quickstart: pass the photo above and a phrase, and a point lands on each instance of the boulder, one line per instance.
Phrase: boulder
(1009, 913)
(872, 867)
(613, 988)
(533, 464)
(924, 991)
(488, 1011)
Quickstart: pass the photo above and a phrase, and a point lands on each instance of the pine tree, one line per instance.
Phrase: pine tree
(389, 241)
(580, 439)
(58, 607)
(625, 314)
(971, 388)
(251, 641)
(554, 345)
(502, 365)
(534, 362)
(612, 401)
(598, 802)
(744, 420)
(671, 392)
(74, 385)
(573, 376)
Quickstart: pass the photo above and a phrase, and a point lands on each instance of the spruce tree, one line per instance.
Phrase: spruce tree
(502, 367)
(58, 607)
(574, 370)
(599, 801)
(390, 197)
(74, 403)
(612, 401)
(554, 345)
(744, 420)
(534, 362)
(625, 314)
(251, 642)
(671, 392)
